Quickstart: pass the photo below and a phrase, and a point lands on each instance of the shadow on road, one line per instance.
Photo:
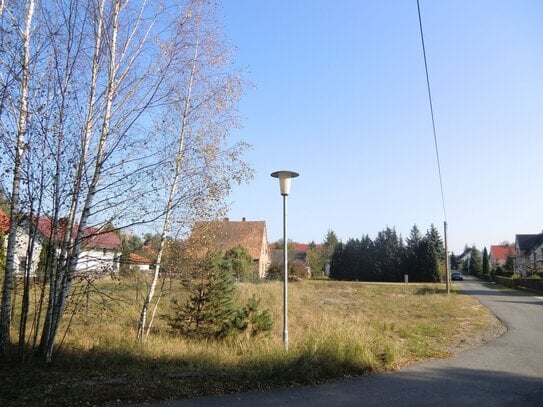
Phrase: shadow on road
(434, 386)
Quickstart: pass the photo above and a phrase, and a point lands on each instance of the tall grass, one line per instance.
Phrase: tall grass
(336, 329)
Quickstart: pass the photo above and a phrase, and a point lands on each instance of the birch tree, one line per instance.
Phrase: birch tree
(200, 169)
(5, 309)
(118, 114)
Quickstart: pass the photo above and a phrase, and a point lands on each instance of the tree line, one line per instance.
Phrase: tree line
(388, 258)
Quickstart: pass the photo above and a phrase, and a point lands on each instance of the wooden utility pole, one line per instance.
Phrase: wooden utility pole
(447, 271)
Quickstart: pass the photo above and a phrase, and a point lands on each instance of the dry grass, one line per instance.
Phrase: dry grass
(336, 329)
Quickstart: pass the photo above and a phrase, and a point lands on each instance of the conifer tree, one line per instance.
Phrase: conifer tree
(486, 263)
(210, 312)
(475, 266)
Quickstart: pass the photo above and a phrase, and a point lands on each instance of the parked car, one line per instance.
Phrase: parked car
(456, 275)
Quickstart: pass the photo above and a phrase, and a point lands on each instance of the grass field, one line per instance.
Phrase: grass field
(336, 329)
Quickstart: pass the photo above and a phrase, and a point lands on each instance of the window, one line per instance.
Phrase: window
(22, 265)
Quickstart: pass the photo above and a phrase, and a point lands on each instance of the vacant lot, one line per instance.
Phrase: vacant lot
(336, 329)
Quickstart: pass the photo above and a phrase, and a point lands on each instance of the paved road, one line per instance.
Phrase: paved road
(507, 371)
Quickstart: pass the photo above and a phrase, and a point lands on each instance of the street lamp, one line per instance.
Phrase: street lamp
(284, 183)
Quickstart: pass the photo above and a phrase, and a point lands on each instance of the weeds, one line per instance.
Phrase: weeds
(336, 329)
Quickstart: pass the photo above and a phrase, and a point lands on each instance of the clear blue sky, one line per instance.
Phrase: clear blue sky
(340, 97)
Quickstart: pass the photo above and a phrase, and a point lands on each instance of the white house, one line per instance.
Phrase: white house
(100, 250)
(28, 241)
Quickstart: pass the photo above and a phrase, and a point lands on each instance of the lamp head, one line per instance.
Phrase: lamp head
(284, 180)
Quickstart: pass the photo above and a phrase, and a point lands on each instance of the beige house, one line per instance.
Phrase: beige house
(223, 235)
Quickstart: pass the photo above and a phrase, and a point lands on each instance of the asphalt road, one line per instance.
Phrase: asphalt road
(507, 371)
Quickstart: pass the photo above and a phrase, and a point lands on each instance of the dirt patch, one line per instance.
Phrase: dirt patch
(468, 338)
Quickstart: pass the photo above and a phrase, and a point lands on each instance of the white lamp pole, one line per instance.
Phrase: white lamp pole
(284, 183)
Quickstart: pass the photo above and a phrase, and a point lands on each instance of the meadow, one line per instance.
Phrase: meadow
(336, 330)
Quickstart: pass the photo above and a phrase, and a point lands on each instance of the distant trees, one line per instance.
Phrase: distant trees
(318, 256)
(388, 258)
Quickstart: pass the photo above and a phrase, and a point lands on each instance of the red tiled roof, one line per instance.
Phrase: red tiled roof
(500, 252)
(93, 237)
(4, 222)
(137, 259)
(149, 252)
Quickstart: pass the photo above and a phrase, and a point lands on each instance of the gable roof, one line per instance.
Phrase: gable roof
(223, 235)
(527, 242)
(137, 259)
(500, 252)
(4, 222)
(96, 239)
(93, 237)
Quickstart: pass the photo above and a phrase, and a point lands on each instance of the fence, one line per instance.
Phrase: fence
(530, 283)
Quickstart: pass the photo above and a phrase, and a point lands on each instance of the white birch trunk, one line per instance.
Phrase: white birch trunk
(71, 261)
(5, 313)
(58, 265)
(170, 202)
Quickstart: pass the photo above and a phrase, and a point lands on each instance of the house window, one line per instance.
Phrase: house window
(22, 265)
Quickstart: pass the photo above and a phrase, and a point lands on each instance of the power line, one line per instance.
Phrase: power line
(432, 112)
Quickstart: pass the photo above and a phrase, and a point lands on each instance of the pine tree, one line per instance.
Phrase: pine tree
(209, 312)
(486, 263)
(475, 266)
(436, 242)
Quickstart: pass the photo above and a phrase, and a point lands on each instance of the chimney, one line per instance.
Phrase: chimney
(243, 219)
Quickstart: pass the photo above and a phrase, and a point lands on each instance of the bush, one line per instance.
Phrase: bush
(296, 270)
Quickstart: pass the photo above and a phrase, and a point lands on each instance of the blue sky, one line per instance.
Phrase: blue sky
(340, 97)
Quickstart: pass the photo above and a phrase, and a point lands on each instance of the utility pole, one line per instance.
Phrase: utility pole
(447, 271)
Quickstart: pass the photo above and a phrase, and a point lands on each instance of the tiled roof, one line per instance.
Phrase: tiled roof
(500, 252)
(4, 222)
(224, 235)
(96, 239)
(526, 242)
(137, 259)
(93, 238)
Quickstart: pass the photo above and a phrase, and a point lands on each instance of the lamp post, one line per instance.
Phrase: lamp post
(284, 183)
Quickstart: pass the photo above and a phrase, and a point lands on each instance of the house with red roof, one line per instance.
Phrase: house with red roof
(223, 235)
(100, 249)
(140, 262)
(500, 253)
(27, 246)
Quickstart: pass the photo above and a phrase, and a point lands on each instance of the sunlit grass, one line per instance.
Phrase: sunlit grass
(336, 329)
